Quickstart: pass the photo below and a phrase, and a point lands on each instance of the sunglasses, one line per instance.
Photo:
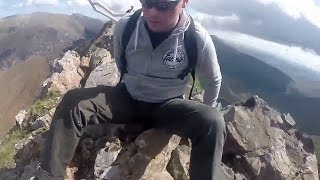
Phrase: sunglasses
(160, 6)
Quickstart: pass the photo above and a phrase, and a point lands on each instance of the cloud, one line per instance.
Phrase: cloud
(266, 19)
(78, 3)
(297, 9)
(211, 21)
(294, 55)
(28, 3)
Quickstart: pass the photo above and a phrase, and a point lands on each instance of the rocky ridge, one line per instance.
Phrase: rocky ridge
(261, 142)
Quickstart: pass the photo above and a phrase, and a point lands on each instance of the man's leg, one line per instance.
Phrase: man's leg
(204, 125)
(78, 108)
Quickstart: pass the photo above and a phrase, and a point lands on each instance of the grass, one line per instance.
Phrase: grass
(39, 108)
(7, 149)
(42, 107)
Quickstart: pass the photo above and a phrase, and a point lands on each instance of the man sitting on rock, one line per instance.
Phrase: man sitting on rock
(150, 92)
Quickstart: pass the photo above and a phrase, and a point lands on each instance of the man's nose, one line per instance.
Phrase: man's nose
(153, 11)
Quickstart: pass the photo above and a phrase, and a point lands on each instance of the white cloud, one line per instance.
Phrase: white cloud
(297, 8)
(27, 3)
(293, 55)
(302, 65)
(78, 3)
(209, 21)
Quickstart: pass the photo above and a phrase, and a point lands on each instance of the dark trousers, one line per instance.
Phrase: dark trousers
(203, 124)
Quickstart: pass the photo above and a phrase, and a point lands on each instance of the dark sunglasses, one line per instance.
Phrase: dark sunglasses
(160, 6)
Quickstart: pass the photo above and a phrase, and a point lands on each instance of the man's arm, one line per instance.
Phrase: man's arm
(208, 71)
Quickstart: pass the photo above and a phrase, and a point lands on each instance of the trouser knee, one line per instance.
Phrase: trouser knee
(210, 122)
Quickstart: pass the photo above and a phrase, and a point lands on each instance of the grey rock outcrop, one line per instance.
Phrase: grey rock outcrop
(67, 73)
(105, 71)
(260, 146)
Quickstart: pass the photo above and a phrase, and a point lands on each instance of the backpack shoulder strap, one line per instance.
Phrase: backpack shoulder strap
(127, 33)
(192, 53)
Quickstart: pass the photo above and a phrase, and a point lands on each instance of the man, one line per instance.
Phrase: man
(150, 93)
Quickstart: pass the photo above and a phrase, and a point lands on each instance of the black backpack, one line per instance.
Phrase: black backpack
(189, 38)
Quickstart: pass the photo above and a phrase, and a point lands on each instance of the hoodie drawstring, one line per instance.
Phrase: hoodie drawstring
(136, 35)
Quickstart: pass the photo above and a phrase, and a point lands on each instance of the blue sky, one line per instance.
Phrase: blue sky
(56, 6)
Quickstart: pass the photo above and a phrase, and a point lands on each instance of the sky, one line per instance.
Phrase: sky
(293, 25)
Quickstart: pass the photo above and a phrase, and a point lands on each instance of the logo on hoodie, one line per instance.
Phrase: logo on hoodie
(170, 62)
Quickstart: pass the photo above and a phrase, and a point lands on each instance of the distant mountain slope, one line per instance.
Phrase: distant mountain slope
(19, 87)
(244, 76)
(43, 34)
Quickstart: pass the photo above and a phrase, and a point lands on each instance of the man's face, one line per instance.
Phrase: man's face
(162, 15)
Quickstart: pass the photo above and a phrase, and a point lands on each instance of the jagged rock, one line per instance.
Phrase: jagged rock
(40, 122)
(265, 149)
(28, 148)
(154, 150)
(70, 173)
(288, 119)
(106, 72)
(105, 158)
(66, 73)
(98, 57)
(21, 118)
(51, 111)
(85, 61)
(104, 39)
(229, 174)
(178, 166)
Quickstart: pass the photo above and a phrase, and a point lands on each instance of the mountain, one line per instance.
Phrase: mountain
(43, 34)
(245, 75)
(19, 86)
(27, 44)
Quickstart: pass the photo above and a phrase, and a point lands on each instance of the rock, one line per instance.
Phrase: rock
(40, 122)
(85, 61)
(178, 166)
(265, 148)
(52, 111)
(98, 57)
(70, 173)
(104, 39)
(288, 120)
(153, 154)
(106, 74)
(66, 73)
(28, 149)
(21, 119)
(105, 159)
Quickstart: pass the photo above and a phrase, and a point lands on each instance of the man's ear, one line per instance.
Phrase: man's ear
(185, 2)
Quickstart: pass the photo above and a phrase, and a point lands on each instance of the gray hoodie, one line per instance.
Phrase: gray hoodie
(152, 74)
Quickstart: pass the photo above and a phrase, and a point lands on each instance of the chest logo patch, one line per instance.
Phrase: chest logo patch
(171, 63)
